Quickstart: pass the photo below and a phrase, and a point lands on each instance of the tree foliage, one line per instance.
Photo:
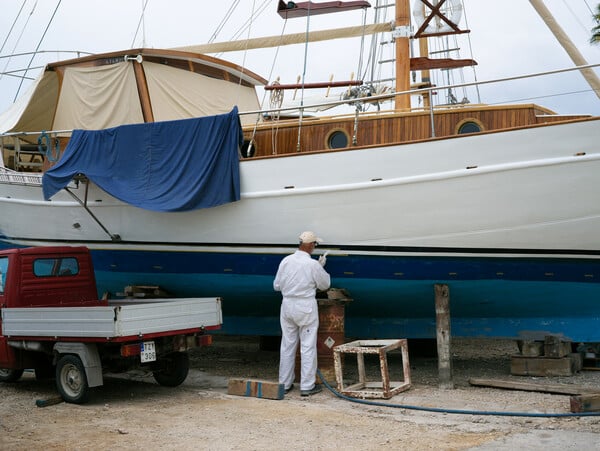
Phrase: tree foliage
(596, 30)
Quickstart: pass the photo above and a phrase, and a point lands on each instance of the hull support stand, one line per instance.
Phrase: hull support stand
(442, 319)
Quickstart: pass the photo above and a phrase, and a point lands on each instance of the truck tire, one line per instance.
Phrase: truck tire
(172, 369)
(71, 380)
(8, 375)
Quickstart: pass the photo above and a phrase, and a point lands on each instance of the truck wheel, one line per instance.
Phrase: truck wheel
(172, 369)
(8, 375)
(71, 380)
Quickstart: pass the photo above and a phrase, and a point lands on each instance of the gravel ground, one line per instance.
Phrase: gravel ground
(133, 412)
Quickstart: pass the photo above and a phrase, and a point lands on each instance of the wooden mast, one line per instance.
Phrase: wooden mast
(425, 74)
(402, 102)
(567, 44)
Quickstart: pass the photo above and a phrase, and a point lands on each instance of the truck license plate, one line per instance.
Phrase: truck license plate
(147, 351)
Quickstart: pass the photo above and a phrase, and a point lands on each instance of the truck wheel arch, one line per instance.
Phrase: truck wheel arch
(88, 353)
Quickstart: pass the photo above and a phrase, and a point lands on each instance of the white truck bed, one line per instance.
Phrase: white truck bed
(121, 318)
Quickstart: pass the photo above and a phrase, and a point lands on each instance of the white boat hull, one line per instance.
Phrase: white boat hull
(483, 200)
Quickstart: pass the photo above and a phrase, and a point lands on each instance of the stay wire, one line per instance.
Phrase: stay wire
(223, 22)
(455, 411)
(471, 54)
(275, 122)
(298, 143)
(20, 36)
(246, 24)
(243, 65)
(12, 26)
(139, 25)
(38, 47)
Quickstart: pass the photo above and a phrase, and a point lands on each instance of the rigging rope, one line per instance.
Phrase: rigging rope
(362, 45)
(274, 98)
(471, 54)
(12, 26)
(303, 80)
(138, 27)
(243, 65)
(223, 22)
(20, 35)
(246, 24)
(581, 24)
(38, 46)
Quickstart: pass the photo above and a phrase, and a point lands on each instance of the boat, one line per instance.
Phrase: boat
(497, 202)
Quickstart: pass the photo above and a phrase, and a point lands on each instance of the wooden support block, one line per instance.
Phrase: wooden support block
(577, 361)
(585, 403)
(541, 366)
(530, 348)
(555, 347)
(256, 388)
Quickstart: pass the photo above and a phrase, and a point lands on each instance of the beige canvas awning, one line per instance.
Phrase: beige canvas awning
(95, 97)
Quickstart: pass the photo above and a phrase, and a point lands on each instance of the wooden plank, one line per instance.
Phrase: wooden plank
(424, 63)
(585, 403)
(256, 388)
(562, 389)
(289, 10)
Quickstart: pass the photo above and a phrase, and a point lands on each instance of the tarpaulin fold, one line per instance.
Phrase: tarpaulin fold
(162, 166)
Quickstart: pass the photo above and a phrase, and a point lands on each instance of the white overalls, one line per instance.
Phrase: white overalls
(298, 278)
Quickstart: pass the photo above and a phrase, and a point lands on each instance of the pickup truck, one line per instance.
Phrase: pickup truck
(54, 323)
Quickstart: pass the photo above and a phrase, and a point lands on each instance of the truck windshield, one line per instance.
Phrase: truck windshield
(3, 270)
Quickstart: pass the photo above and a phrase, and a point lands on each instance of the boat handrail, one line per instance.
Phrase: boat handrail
(362, 100)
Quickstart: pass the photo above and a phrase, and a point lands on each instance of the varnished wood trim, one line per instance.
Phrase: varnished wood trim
(216, 66)
(143, 93)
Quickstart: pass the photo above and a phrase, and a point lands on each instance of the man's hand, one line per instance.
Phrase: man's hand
(323, 259)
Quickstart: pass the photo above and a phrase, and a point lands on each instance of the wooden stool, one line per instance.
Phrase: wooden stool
(363, 389)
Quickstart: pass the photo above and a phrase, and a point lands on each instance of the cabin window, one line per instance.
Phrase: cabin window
(469, 126)
(3, 270)
(248, 148)
(337, 139)
(55, 267)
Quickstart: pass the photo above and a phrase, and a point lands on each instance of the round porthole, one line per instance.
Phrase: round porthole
(469, 126)
(337, 139)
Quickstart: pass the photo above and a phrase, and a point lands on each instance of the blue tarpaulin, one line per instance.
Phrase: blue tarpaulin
(162, 166)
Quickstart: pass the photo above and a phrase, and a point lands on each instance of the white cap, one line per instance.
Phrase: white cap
(309, 237)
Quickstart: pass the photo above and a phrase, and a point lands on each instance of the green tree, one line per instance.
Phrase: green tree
(596, 30)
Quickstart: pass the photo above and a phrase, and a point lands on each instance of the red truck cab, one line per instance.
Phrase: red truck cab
(47, 276)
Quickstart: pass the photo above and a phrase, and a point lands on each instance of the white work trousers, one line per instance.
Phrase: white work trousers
(299, 320)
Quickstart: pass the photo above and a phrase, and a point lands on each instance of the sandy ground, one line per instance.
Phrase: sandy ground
(133, 412)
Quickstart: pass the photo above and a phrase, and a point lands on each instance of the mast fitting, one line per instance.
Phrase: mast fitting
(404, 31)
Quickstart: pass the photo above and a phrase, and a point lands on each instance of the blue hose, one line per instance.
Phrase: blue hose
(454, 411)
